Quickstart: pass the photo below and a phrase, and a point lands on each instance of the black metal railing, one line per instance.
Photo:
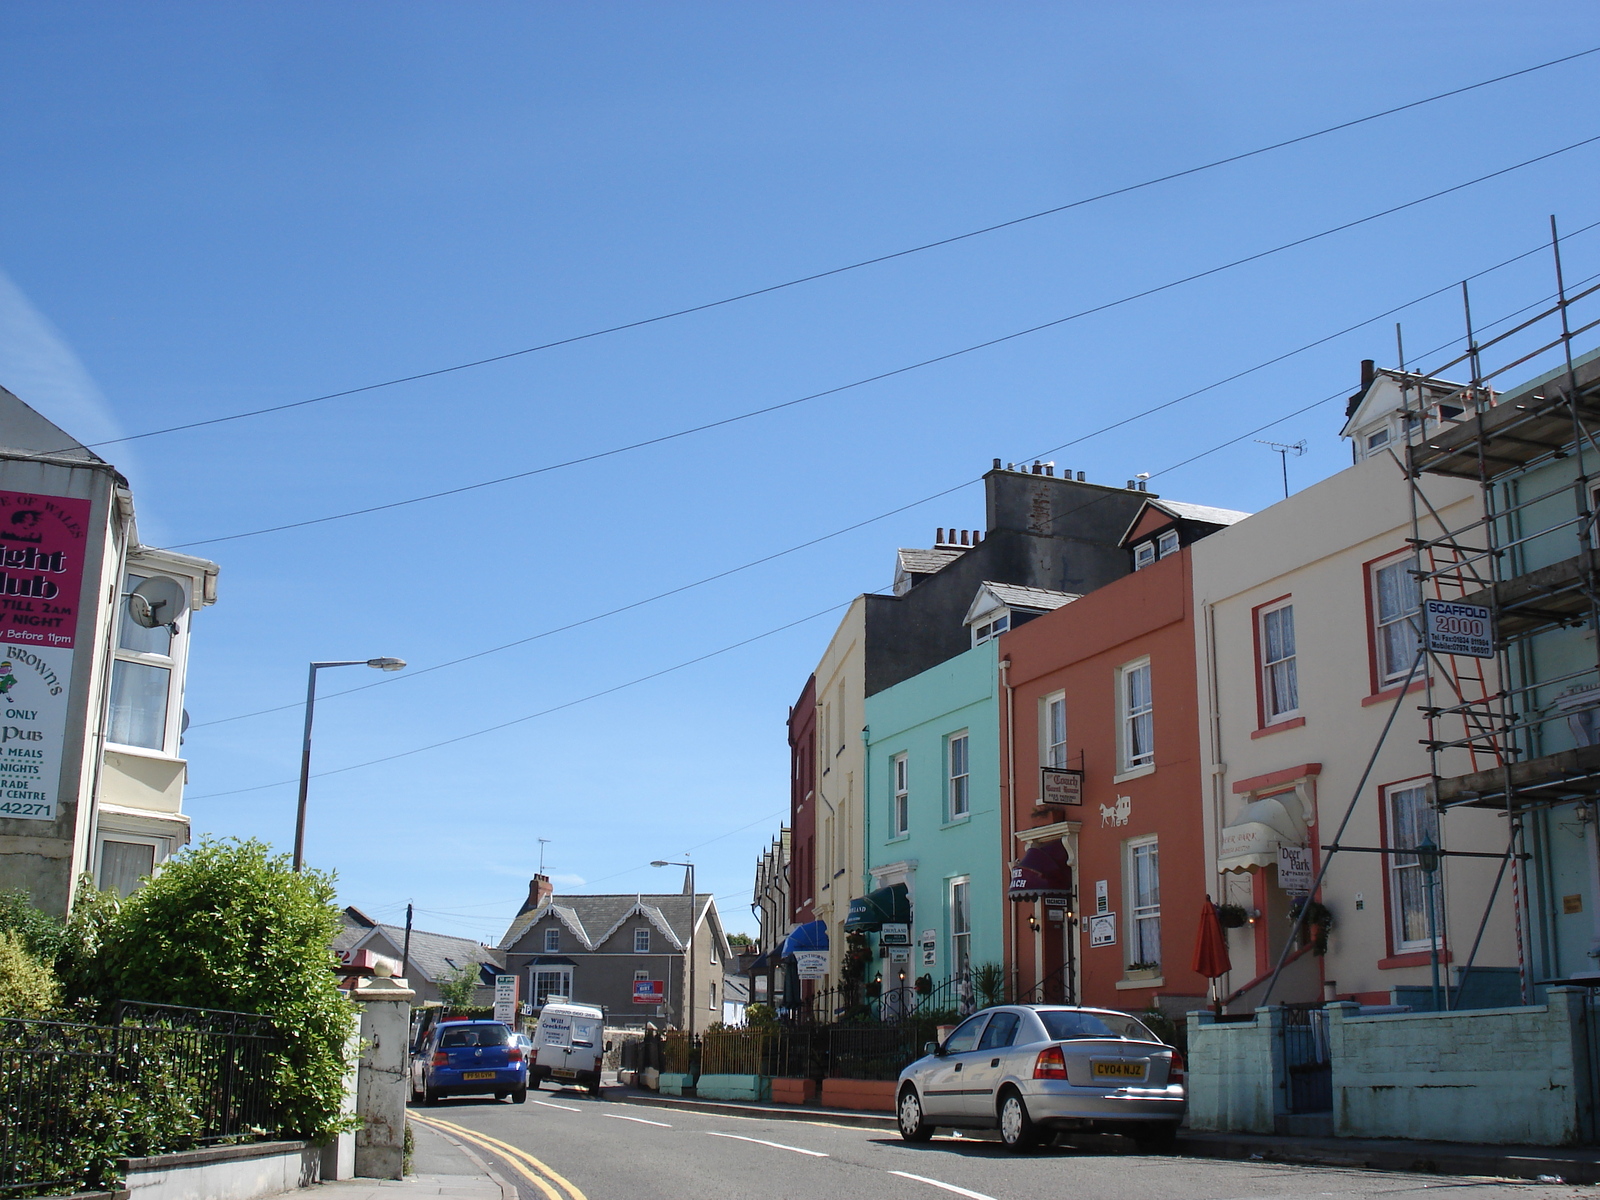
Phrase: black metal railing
(1305, 1058)
(75, 1098)
(823, 1007)
(1054, 988)
(872, 1052)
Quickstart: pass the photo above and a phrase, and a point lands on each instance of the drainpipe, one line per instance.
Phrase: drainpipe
(1218, 767)
(1008, 926)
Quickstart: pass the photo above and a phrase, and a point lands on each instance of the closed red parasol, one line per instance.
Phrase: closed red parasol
(1211, 947)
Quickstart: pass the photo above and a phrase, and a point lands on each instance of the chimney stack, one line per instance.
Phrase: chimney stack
(539, 893)
(1368, 373)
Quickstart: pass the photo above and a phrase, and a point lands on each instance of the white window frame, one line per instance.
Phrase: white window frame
(563, 974)
(900, 796)
(958, 787)
(552, 940)
(1143, 555)
(1167, 543)
(1053, 730)
(641, 976)
(1144, 911)
(1134, 719)
(160, 850)
(992, 628)
(1408, 895)
(958, 900)
(641, 940)
(173, 662)
(1405, 625)
(1278, 674)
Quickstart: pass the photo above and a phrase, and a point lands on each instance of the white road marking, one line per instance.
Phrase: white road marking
(641, 1120)
(562, 1107)
(949, 1187)
(774, 1145)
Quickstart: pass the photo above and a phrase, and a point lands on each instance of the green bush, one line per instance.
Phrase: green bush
(41, 934)
(456, 992)
(28, 987)
(227, 925)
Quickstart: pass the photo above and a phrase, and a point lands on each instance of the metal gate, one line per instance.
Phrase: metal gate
(1305, 1059)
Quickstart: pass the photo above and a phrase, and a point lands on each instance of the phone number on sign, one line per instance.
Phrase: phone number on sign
(15, 808)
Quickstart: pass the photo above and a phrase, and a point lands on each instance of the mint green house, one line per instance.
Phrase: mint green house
(932, 833)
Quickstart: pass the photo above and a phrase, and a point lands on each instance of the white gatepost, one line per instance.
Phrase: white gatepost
(382, 1086)
(339, 1155)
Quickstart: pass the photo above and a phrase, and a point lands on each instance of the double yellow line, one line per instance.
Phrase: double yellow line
(551, 1182)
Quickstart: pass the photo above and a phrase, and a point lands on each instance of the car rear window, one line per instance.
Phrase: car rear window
(1064, 1025)
(475, 1035)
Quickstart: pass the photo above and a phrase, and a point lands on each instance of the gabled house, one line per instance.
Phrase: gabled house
(435, 958)
(595, 949)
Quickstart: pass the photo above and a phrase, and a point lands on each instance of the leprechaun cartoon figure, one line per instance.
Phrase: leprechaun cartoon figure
(7, 679)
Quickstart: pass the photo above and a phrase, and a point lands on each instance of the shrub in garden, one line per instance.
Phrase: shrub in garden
(28, 987)
(228, 925)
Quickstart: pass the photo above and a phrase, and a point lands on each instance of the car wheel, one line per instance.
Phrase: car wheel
(914, 1125)
(1017, 1129)
(430, 1097)
(520, 1096)
(1156, 1139)
(594, 1089)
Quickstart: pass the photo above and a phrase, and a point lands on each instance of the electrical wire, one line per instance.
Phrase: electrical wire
(855, 266)
(746, 566)
(897, 371)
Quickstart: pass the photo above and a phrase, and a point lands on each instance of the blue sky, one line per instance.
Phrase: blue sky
(213, 208)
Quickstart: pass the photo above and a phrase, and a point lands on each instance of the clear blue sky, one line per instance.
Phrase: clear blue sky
(211, 208)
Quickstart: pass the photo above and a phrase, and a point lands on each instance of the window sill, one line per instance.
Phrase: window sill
(1135, 773)
(899, 837)
(1133, 985)
(1390, 693)
(963, 819)
(1412, 958)
(142, 752)
(1278, 727)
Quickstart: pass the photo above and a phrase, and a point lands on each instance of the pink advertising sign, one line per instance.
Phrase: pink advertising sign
(43, 543)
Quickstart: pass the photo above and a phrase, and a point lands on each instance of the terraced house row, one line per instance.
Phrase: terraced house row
(1066, 737)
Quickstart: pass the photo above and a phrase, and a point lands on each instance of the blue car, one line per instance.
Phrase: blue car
(469, 1058)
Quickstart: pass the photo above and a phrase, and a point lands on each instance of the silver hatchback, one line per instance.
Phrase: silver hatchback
(1032, 1070)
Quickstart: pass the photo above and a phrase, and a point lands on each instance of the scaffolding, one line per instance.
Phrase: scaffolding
(1530, 559)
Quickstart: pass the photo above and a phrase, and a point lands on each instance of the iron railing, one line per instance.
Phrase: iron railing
(872, 1052)
(75, 1098)
(1306, 1058)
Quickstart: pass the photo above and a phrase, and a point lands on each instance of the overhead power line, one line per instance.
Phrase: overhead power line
(882, 375)
(854, 266)
(794, 549)
(372, 762)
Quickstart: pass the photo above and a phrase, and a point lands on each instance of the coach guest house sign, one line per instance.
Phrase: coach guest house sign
(41, 580)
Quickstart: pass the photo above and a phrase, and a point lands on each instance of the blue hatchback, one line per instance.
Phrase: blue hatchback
(466, 1058)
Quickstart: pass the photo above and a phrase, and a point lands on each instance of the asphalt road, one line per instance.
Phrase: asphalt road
(562, 1145)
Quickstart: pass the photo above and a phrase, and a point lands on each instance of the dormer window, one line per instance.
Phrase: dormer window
(991, 629)
(1143, 555)
(1167, 543)
(1378, 440)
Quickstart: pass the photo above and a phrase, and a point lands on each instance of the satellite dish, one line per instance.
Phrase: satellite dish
(155, 602)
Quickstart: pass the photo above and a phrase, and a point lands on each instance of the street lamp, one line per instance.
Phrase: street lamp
(382, 664)
(690, 1002)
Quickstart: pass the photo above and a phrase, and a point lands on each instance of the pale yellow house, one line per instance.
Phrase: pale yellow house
(1307, 629)
(841, 677)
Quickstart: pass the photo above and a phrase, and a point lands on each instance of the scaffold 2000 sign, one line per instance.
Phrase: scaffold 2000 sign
(1455, 628)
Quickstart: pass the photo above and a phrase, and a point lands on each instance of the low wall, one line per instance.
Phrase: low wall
(673, 1083)
(1236, 1073)
(732, 1087)
(794, 1091)
(1506, 1076)
(223, 1173)
(865, 1095)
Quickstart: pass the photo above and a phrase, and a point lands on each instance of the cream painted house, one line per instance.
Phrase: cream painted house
(841, 677)
(1306, 639)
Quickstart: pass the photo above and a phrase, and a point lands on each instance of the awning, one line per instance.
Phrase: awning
(868, 913)
(551, 960)
(760, 963)
(1252, 839)
(1044, 872)
(813, 935)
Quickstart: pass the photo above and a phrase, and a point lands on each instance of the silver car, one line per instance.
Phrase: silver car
(1032, 1070)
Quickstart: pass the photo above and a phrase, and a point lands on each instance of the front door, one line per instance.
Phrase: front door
(945, 1094)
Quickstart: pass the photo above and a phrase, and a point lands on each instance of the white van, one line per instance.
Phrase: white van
(569, 1046)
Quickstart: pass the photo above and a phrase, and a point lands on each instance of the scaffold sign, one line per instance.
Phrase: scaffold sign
(1456, 628)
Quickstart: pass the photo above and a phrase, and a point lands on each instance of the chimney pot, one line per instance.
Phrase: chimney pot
(977, 536)
(938, 539)
(1038, 467)
(1368, 373)
(963, 537)
(1080, 477)
(997, 464)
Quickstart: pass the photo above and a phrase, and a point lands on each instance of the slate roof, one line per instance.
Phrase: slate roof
(24, 429)
(1014, 595)
(1200, 512)
(926, 562)
(593, 919)
(437, 955)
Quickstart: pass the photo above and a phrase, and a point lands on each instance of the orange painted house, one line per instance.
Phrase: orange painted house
(1100, 696)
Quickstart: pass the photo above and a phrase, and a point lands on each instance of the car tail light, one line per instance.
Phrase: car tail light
(1175, 1071)
(1050, 1064)
(515, 1054)
(441, 1059)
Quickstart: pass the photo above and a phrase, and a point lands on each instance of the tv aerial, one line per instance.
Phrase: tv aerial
(156, 602)
(1283, 450)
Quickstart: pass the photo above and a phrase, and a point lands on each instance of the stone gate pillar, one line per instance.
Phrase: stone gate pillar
(381, 1083)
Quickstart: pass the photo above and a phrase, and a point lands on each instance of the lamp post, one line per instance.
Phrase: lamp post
(690, 1002)
(381, 664)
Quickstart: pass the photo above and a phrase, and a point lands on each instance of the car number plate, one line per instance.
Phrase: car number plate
(477, 1074)
(1119, 1070)
(562, 1073)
